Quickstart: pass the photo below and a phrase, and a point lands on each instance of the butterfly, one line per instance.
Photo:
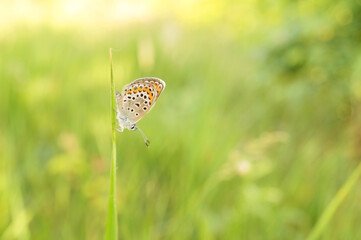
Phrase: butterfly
(136, 100)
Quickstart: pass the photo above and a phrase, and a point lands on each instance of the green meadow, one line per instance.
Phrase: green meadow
(257, 130)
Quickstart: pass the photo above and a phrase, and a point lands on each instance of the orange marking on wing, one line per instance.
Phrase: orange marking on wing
(156, 87)
(150, 94)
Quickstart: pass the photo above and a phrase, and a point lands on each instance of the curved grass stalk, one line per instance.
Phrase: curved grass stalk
(334, 204)
(111, 230)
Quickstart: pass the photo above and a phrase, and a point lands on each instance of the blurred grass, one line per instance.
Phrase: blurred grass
(334, 204)
(258, 128)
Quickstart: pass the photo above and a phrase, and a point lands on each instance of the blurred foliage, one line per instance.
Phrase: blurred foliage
(259, 126)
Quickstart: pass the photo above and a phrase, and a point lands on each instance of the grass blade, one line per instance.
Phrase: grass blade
(111, 230)
(334, 204)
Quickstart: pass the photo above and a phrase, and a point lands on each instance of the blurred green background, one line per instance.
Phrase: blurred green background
(258, 128)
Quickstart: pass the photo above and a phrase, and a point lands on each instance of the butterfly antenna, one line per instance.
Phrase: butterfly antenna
(146, 141)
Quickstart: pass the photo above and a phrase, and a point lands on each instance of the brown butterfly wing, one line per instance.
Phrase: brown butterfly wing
(139, 97)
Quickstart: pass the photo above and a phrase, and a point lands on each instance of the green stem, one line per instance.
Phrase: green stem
(111, 231)
(334, 204)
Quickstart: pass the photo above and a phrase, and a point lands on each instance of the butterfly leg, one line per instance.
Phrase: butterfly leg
(119, 129)
(146, 141)
(116, 110)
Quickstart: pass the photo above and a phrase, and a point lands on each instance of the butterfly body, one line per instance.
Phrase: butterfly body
(136, 100)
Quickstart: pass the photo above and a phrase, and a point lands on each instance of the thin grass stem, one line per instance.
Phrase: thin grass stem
(334, 204)
(111, 230)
